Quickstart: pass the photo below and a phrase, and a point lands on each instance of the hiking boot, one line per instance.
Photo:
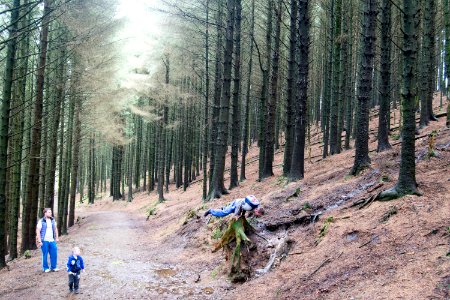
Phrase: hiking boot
(70, 290)
(46, 270)
(76, 291)
(55, 270)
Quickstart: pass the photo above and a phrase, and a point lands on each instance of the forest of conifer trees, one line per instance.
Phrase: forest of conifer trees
(231, 75)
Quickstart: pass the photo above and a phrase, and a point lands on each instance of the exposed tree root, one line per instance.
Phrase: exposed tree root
(386, 195)
(280, 251)
(288, 221)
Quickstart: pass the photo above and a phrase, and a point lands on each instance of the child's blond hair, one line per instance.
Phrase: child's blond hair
(76, 250)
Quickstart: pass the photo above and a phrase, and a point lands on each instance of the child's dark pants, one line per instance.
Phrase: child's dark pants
(74, 280)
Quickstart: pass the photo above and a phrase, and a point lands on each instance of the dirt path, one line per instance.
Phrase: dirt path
(121, 263)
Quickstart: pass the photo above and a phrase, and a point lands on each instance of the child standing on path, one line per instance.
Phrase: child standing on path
(74, 266)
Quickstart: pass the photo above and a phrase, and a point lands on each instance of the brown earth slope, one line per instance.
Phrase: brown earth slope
(388, 250)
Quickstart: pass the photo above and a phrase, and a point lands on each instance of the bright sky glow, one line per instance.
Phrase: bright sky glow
(142, 33)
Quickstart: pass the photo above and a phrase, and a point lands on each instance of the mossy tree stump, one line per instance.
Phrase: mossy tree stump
(234, 236)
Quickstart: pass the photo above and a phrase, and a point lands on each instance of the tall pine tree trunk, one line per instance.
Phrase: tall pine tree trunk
(269, 130)
(59, 97)
(75, 162)
(217, 182)
(236, 116)
(328, 84)
(246, 133)
(206, 117)
(336, 93)
(217, 93)
(385, 82)
(264, 91)
(31, 202)
(4, 128)
(407, 176)
(298, 156)
(292, 64)
(362, 159)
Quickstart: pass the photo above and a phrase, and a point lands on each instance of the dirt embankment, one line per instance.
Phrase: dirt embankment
(330, 250)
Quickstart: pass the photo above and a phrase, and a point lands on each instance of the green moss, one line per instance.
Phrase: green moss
(307, 205)
(385, 178)
(325, 228)
(216, 234)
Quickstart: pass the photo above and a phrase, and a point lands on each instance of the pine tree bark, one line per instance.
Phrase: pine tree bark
(292, 64)
(362, 159)
(5, 121)
(59, 97)
(75, 162)
(265, 70)
(217, 182)
(427, 65)
(349, 86)
(236, 116)
(31, 202)
(328, 84)
(246, 133)
(206, 107)
(269, 130)
(406, 183)
(336, 94)
(217, 92)
(385, 82)
(162, 139)
(298, 156)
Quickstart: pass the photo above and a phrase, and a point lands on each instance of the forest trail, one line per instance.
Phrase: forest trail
(145, 249)
(121, 263)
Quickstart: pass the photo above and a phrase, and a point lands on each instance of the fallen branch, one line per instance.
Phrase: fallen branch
(321, 265)
(365, 202)
(368, 242)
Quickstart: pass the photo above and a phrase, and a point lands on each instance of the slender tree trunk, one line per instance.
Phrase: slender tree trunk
(217, 182)
(292, 64)
(407, 176)
(298, 155)
(4, 129)
(328, 85)
(29, 217)
(264, 91)
(205, 123)
(162, 140)
(362, 159)
(75, 162)
(91, 172)
(349, 88)
(217, 93)
(53, 142)
(336, 93)
(385, 82)
(236, 116)
(272, 101)
(246, 133)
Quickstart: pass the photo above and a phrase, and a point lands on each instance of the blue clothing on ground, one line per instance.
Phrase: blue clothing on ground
(237, 206)
(49, 248)
(75, 264)
(226, 210)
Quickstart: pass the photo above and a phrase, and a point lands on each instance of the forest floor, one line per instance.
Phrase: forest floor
(388, 250)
